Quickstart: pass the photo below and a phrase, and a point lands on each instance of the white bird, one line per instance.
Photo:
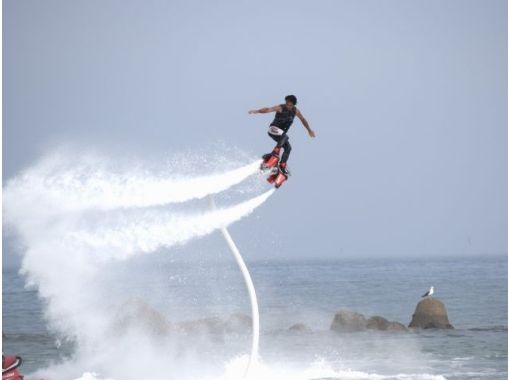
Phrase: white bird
(429, 293)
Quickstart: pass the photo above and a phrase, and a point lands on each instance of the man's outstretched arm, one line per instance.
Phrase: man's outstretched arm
(305, 123)
(266, 110)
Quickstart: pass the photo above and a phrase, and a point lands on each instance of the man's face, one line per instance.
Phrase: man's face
(289, 104)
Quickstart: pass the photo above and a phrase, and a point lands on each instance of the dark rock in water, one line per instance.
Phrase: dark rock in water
(379, 323)
(203, 326)
(238, 323)
(430, 313)
(137, 314)
(396, 326)
(348, 321)
(300, 327)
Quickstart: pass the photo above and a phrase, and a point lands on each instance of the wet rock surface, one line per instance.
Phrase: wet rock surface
(430, 313)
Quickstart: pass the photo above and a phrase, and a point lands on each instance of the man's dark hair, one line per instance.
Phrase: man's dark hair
(291, 98)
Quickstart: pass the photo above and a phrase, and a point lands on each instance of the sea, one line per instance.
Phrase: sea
(306, 292)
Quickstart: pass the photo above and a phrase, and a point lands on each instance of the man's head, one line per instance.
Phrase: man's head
(290, 100)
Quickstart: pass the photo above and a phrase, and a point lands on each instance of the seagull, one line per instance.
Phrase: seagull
(429, 293)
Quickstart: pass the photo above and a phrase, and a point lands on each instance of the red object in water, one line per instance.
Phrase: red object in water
(10, 367)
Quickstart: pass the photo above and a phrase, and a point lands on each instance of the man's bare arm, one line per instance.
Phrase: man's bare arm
(266, 110)
(305, 123)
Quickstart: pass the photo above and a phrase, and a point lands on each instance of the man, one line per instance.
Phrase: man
(279, 127)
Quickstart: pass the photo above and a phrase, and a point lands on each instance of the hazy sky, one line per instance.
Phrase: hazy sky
(408, 99)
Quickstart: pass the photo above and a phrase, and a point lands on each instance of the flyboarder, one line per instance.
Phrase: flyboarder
(285, 114)
(279, 127)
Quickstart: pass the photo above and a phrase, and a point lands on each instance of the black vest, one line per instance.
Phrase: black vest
(284, 119)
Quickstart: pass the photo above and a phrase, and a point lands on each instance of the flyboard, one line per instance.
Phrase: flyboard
(270, 166)
(251, 291)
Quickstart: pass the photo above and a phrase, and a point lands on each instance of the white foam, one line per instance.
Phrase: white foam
(316, 370)
(91, 376)
(234, 370)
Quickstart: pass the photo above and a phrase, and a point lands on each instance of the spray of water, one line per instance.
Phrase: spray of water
(59, 183)
(73, 219)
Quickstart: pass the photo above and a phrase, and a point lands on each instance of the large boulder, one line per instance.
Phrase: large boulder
(238, 323)
(430, 313)
(396, 326)
(202, 326)
(377, 323)
(348, 321)
(300, 328)
(137, 314)
(382, 324)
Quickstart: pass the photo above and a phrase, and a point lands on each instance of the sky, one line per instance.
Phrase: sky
(408, 100)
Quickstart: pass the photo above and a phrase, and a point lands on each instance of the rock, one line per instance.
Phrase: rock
(377, 323)
(348, 321)
(238, 323)
(396, 326)
(136, 314)
(430, 313)
(300, 327)
(203, 326)
(382, 324)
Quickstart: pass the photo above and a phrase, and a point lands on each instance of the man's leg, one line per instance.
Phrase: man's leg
(280, 141)
(285, 156)
(286, 151)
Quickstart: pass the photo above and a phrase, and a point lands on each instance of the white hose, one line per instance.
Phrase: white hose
(251, 292)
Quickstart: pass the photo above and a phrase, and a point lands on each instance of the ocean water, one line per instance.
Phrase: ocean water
(474, 291)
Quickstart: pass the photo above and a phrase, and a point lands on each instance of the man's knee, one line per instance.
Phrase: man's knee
(287, 147)
(284, 141)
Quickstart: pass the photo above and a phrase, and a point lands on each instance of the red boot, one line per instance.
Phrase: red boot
(284, 169)
(270, 160)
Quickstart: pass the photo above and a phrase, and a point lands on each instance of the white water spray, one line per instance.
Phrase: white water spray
(74, 219)
(92, 182)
